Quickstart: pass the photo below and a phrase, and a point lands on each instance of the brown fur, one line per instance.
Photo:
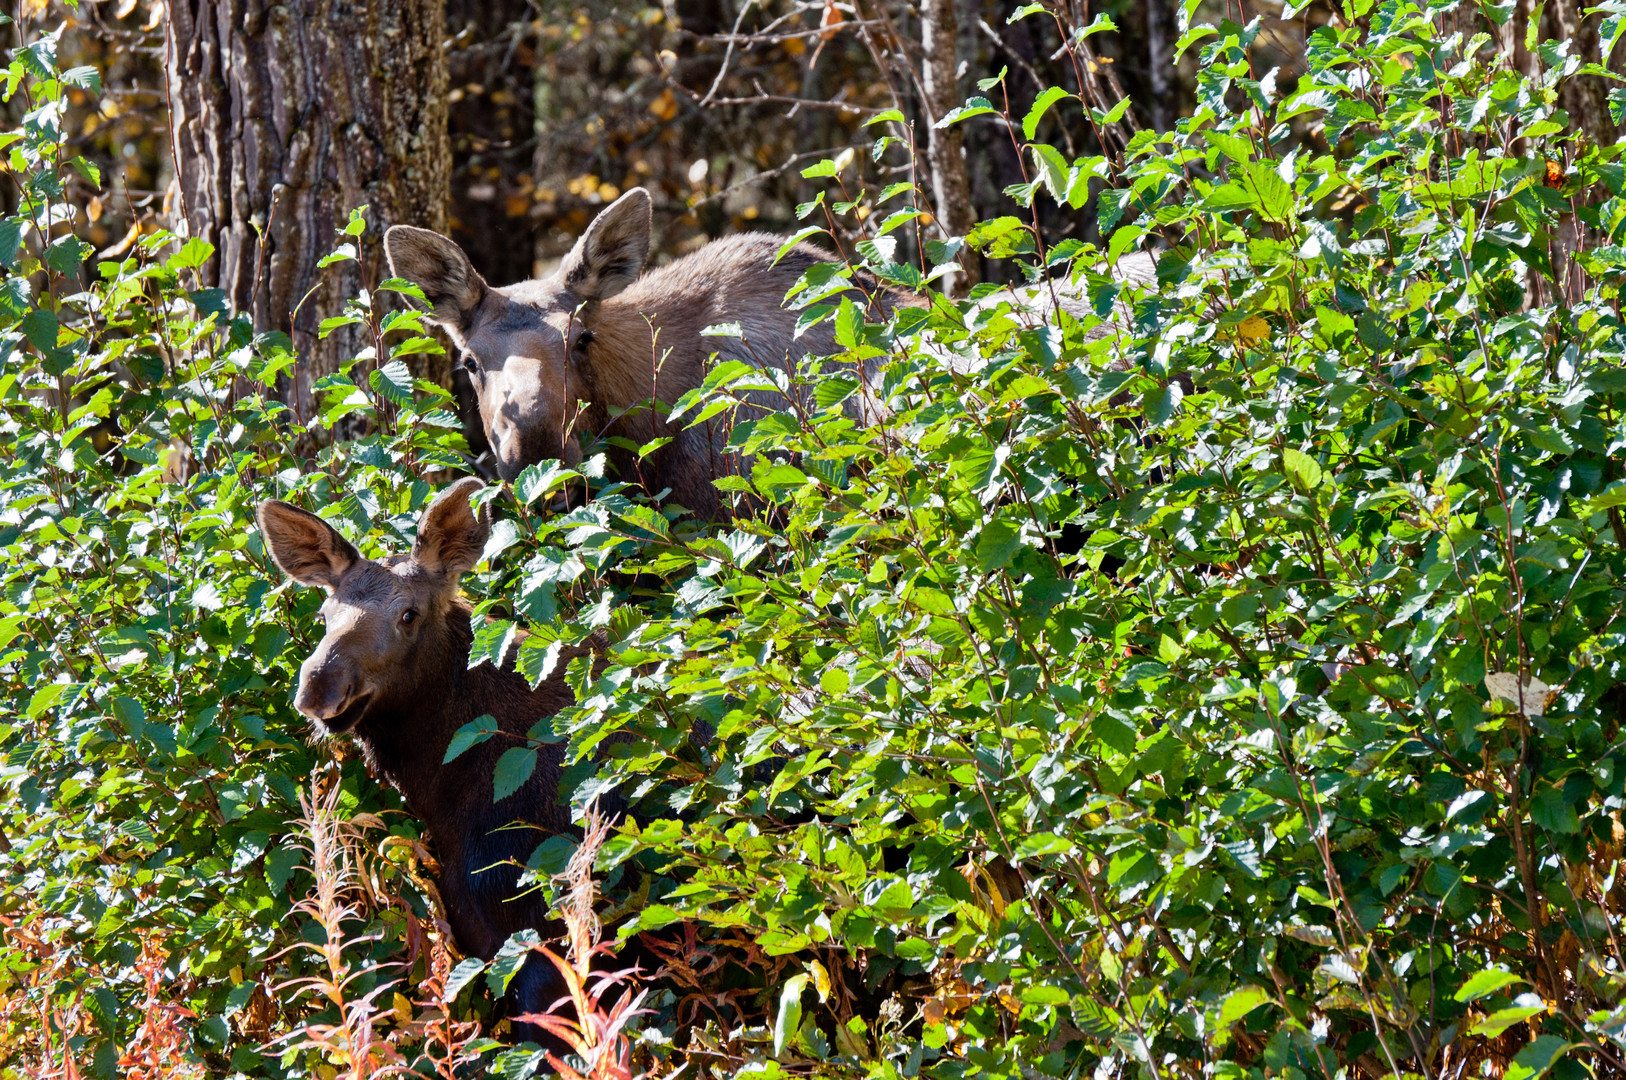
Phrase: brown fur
(403, 688)
(599, 333)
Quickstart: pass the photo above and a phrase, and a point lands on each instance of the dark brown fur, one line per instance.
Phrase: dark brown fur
(402, 687)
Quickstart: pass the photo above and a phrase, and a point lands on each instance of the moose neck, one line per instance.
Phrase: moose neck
(626, 353)
(405, 735)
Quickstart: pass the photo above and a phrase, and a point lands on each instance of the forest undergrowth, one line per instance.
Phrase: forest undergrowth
(1211, 677)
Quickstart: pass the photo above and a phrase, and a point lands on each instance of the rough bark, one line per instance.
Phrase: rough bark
(285, 116)
(1159, 65)
(945, 147)
(1584, 97)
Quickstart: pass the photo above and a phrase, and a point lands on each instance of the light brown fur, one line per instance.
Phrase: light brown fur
(599, 333)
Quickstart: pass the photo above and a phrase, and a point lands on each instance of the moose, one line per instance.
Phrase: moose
(392, 670)
(598, 332)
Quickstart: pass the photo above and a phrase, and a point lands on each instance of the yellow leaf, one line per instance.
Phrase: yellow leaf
(1252, 330)
(664, 107)
(403, 1009)
(821, 979)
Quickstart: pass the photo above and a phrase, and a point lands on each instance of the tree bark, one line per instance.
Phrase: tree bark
(945, 147)
(285, 116)
(1159, 65)
(1584, 97)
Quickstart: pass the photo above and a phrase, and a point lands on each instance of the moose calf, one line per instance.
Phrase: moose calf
(392, 669)
(597, 332)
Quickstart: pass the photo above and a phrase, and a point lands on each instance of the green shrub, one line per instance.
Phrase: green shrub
(1235, 788)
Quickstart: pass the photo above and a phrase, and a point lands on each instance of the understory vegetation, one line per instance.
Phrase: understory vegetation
(1211, 677)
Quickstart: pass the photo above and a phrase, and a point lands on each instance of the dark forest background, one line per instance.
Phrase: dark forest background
(509, 124)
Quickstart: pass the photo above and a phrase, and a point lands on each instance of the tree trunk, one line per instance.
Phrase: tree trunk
(945, 148)
(285, 116)
(1159, 65)
(1584, 97)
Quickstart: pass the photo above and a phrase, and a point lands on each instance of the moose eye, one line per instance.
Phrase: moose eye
(408, 616)
(584, 339)
(469, 365)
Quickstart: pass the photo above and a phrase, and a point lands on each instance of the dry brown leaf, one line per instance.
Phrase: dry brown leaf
(830, 22)
(122, 246)
(1537, 695)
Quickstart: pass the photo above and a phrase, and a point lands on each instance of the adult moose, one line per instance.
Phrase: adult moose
(392, 669)
(598, 332)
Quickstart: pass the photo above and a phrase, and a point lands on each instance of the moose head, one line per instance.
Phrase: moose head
(389, 623)
(525, 346)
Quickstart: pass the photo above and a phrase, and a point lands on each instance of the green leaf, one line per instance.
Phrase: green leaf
(1041, 994)
(834, 682)
(11, 238)
(1524, 1007)
(1536, 1058)
(885, 116)
(1052, 170)
(1304, 469)
(86, 78)
(40, 328)
(470, 735)
(1484, 983)
(66, 255)
(540, 481)
(514, 768)
(1240, 1002)
(788, 1022)
(975, 106)
(193, 253)
(280, 865)
(849, 324)
(393, 382)
(1041, 105)
(467, 970)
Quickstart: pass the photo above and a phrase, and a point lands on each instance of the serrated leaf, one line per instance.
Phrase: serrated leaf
(86, 78)
(1041, 105)
(470, 735)
(514, 768)
(975, 106)
(193, 253)
(393, 382)
(466, 971)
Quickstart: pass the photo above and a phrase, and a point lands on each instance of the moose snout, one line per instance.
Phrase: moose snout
(321, 700)
(326, 694)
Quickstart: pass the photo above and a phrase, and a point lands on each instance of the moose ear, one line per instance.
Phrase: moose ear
(610, 254)
(451, 536)
(304, 546)
(439, 267)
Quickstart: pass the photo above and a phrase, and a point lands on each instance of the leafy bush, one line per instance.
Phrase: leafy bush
(1212, 676)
